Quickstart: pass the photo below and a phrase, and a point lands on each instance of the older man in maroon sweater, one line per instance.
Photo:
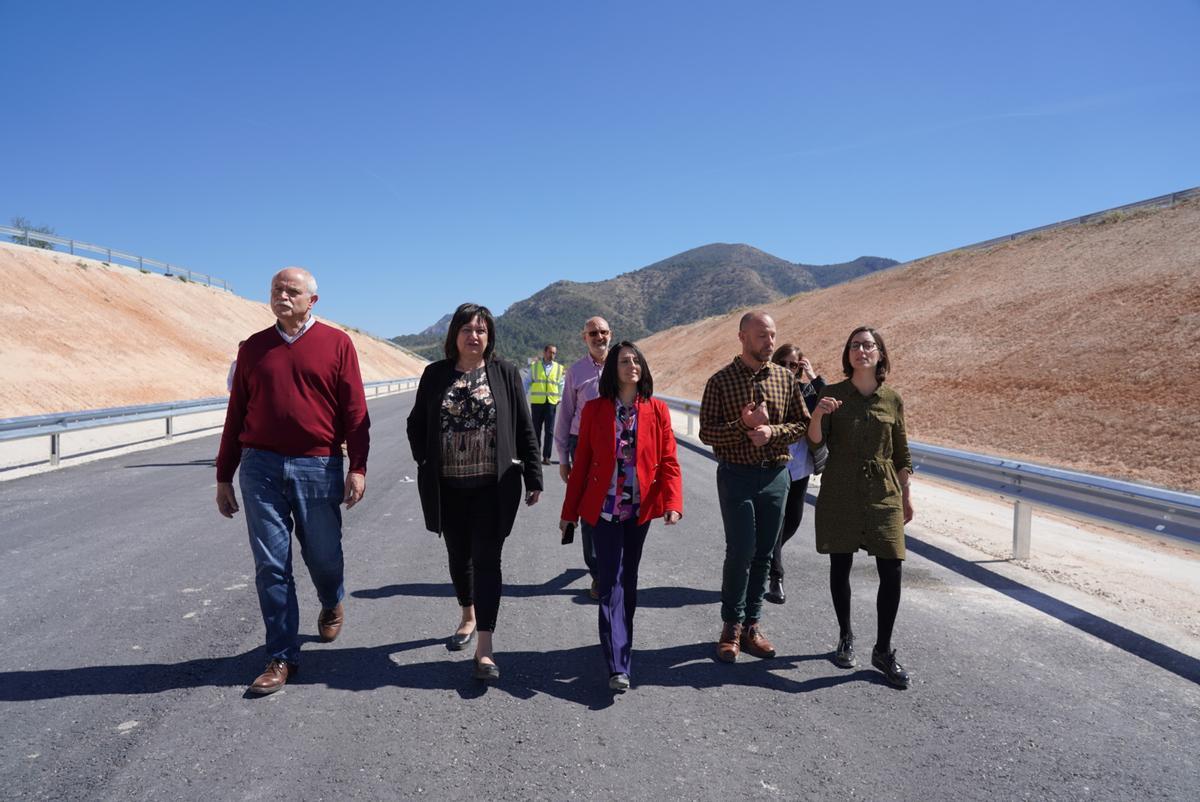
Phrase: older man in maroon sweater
(297, 395)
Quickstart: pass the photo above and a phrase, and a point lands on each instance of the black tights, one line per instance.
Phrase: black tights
(887, 603)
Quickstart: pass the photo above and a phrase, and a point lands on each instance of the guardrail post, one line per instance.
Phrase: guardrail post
(72, 247)
(55, 449)
(1022, 530)
(110, 255)
(691, 422)
(170, 428)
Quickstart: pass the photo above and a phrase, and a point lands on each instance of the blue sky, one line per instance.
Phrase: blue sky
(417, 155)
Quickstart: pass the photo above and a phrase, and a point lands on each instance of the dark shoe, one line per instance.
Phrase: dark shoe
(619, 682)
(729, 644)
(486, 672)
(594, 593)
(844, 656)
(546, 462)
(457, 642)
(775, 594)
(274, 677)
(886, 662)
(754, 642)
(329, 623)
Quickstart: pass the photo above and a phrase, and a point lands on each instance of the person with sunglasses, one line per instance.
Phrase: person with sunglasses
(626, 474)
(865, 498)
(800, 467)
(582, 384)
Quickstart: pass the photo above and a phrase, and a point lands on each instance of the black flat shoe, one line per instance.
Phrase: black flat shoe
(886, 662)
(486, 672)
(844, 657)
(457, 642)
(776, 595)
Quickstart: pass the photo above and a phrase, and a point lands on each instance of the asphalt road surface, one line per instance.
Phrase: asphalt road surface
(131, 629)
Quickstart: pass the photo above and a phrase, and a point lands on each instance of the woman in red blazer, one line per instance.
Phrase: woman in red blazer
(625, 475)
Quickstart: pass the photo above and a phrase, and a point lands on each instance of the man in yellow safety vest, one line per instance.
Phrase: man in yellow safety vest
(545, 387)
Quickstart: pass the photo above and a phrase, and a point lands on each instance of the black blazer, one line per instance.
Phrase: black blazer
(517, 452)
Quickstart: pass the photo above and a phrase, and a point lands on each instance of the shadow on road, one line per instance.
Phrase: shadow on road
(196, 463)
(661, 597)
(576, 675)
(1152, 651)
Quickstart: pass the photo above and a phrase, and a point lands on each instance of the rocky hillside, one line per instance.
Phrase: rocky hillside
(1076, 347)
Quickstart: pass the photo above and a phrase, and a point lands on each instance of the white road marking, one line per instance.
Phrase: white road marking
(126, 726)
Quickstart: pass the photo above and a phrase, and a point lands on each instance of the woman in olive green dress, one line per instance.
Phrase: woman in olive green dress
(864, 500)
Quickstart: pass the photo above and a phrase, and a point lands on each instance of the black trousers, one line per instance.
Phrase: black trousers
(793, 512)
(543, 416)
(470, 528)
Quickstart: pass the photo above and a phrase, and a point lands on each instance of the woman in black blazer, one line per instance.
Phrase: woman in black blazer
(472, 438)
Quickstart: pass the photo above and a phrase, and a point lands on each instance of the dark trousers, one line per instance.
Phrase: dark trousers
(752, 501)
(618, 553)
(543, 418)
(586, 532)
(470, 521)
(793, 513)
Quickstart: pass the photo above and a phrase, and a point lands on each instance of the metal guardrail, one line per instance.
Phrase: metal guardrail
(74, 247)
(1142, 508)
(55, 424)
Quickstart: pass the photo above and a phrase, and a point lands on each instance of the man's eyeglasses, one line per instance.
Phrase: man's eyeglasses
(865, 347)
(599, 333)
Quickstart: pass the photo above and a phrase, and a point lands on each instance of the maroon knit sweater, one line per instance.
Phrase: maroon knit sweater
(299, 400)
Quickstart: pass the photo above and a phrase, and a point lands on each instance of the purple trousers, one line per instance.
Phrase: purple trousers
(618, 547)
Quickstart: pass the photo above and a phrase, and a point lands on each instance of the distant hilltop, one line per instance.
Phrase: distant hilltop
(684, 288)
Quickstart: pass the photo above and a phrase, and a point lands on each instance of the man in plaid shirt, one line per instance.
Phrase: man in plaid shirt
(751, 412)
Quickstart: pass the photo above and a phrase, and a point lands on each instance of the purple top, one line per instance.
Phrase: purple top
(581, 385)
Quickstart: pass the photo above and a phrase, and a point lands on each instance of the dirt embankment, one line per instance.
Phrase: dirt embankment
(79, 334)
(1078, 347)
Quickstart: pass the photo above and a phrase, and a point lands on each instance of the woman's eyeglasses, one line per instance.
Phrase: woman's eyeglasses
(792, 365)
(865, 347)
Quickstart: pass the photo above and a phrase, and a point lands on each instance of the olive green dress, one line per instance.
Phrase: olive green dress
(859, 505)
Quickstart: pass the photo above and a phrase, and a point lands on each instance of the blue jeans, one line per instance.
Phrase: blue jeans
(279, 493)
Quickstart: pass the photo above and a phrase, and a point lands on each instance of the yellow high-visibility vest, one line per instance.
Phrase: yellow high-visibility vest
(544, 387)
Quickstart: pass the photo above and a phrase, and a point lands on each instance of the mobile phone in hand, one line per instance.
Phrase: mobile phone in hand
(569, 534)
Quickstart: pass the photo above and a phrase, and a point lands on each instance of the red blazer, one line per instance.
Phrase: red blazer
(659, 482)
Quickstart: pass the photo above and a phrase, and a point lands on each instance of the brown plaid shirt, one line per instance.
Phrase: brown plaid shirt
(727, 393)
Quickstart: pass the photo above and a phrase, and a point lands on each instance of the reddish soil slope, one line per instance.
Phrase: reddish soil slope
(78, 334)
(1078, 348)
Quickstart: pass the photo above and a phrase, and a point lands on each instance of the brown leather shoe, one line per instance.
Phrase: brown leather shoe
(728, 646)
(274, 677)
(329, 623)
(755, 642)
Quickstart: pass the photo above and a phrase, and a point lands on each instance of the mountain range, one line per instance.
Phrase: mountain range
(699, 283)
